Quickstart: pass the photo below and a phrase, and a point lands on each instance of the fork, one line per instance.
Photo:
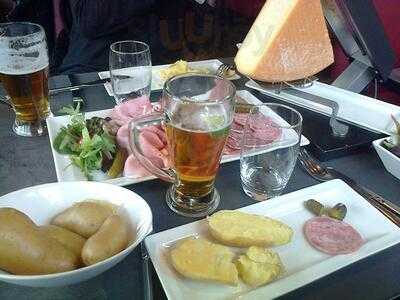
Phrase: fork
(321, 173)
(223, 70)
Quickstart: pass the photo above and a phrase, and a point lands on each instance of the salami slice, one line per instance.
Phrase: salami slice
(332, 236)
(236, 127)
(268, 135)
(240, 118)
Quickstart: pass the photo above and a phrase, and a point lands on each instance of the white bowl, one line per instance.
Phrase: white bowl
(389, 160)
(42, 202)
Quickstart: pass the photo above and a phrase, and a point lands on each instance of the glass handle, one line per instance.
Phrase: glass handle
(134, 131)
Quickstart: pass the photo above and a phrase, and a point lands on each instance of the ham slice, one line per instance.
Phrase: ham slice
(126, 111)
(133, 168)
(150, 150)
(123, 138)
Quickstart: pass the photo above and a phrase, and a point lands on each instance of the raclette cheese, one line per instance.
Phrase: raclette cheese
(288, 41)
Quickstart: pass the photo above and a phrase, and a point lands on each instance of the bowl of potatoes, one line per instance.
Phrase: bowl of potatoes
(63, 233)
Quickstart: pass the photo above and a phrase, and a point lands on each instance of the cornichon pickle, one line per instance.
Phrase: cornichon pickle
(315, 207)
(118, 164)
(337, 212)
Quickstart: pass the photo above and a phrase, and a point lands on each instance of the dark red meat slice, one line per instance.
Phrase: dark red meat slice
(260, 121)
(237, 127)
(240, 118)
(267, 135)
(332, 236)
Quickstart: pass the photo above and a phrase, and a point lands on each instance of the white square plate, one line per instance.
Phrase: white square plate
(157, 83)
(67, 172)
(378, 233)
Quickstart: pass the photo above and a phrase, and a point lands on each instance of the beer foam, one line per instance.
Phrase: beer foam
(20, 61)
(196, 118)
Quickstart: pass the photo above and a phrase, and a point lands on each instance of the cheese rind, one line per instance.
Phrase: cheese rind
(288, 41)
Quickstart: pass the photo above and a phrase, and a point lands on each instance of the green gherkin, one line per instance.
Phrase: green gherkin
(315, 207)
(337, 212)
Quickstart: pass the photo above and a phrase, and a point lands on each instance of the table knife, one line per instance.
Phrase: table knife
(79, 86)
(368, 194)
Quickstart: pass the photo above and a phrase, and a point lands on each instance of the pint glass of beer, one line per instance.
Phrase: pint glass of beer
(197, 112)
(24, 73)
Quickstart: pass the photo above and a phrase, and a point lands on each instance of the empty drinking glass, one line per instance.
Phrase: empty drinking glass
(270, 145)
(130, 70)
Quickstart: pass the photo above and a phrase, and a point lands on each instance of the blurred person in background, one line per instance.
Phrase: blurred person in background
(174, 29)
(80, 32)
(92, 26)
(6, 6)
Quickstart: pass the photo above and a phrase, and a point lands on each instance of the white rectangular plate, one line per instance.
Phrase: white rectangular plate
(378, 233)
(67, 172)
(157, 83)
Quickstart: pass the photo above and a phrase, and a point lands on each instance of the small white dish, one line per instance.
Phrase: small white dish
(67, 172)
(42, 202)
(389, 160)
(303, 264)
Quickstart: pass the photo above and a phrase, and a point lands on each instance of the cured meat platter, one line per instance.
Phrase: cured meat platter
(67, 172)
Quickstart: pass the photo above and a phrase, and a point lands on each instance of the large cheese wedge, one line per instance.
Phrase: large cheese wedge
(288, 41)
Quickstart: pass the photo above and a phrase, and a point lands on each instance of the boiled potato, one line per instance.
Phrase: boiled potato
(259, 266)
(110, 239)
(84, 218)
(203, 260)
(25, 250)
(68, 239)
(239, 229)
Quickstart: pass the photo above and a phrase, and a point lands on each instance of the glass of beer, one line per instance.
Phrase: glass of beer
(24, 67)
(197, 112)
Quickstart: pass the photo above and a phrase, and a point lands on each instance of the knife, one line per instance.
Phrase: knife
(371, 196)
(79, 86)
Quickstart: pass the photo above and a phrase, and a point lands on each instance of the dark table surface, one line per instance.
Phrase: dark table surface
(28, 161)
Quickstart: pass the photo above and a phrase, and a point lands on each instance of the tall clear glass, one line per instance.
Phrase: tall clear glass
(270, 146)
(130, 70)
(197, 115)
(24, 71)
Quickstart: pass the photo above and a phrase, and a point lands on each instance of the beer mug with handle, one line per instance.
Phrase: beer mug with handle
(197, 112)
(24, 68)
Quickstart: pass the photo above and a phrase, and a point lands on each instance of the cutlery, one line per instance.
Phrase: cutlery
(225, 70)
(321, 173)
(79, 86)
(298, 89)
(148, 289)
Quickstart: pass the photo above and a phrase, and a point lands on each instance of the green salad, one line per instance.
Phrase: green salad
(86, 142)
